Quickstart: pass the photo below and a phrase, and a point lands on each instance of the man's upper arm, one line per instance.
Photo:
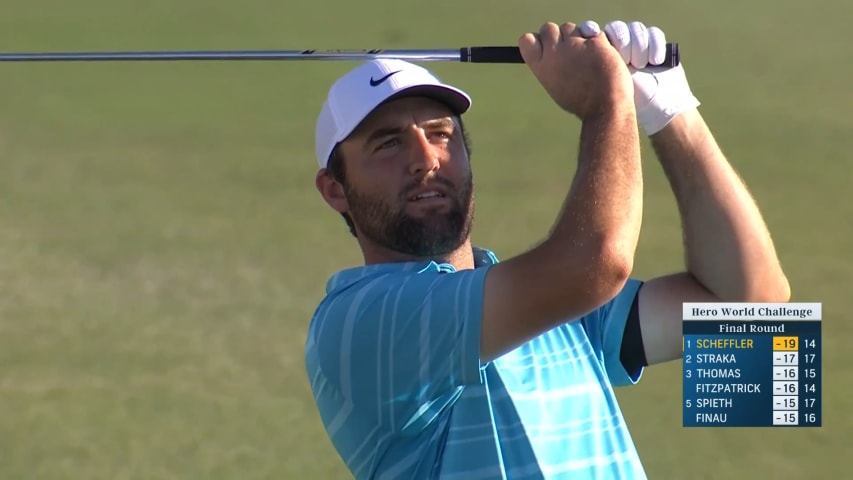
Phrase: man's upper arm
(613, 330)
(661, 312)
(399, 345)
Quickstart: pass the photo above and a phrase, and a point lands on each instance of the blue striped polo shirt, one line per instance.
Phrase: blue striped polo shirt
(392, 356)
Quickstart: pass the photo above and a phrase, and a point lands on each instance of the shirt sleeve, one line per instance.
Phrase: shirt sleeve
(399, 346)
(605, 328)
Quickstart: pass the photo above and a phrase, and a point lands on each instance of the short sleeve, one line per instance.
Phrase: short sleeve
(400, 345)
(605, 328)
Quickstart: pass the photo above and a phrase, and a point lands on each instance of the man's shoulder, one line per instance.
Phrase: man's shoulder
(393, 273)
(360, 277)
(353, 291)
(387, 289)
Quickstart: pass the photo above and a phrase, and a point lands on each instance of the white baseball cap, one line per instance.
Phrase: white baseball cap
(355, 95)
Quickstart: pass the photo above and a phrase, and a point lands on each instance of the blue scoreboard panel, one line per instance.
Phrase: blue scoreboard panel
(752, 364)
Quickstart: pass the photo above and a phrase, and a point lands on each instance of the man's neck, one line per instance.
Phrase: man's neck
(462, 258)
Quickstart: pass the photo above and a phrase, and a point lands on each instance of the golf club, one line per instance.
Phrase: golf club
(465, 55)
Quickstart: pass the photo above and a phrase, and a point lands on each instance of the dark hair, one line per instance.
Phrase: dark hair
(337, 170)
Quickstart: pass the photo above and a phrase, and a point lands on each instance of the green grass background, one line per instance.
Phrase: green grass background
(162, 246)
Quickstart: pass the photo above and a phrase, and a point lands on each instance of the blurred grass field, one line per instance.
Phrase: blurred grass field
(162, 247)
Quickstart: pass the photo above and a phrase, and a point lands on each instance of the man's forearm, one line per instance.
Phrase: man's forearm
(728, 246)
(603, 210)
(587, 257)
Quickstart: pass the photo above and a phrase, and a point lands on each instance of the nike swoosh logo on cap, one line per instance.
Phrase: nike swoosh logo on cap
(374, 83)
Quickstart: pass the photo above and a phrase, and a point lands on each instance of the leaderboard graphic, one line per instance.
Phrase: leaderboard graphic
(752, 364)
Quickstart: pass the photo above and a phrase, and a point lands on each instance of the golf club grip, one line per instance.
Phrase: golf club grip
(513, 55)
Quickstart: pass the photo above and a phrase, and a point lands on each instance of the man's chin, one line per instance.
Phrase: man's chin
(431, 251)
(428, 212)
(433, 243)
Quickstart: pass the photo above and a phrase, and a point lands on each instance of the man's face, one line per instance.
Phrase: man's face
(408, 181)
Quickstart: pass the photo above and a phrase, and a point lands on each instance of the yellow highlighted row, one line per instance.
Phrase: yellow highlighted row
(780, 344)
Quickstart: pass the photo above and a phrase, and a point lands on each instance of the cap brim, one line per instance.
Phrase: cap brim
(455, 99)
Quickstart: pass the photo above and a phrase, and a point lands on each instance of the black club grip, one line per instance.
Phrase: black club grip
(513, 55)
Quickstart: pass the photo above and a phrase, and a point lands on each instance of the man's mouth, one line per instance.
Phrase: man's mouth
(432, 192)
(425, 195)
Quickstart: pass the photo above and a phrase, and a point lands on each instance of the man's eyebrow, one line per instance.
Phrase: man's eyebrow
(440, 122)
(388, 131)
(382, 132)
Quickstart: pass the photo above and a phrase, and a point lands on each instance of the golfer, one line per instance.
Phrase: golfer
(436, 361)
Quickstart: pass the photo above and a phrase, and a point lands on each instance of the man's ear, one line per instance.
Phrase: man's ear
(331, 190)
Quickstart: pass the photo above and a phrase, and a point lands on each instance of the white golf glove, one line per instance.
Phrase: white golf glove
(660, 94)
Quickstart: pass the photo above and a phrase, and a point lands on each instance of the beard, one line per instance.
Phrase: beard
(387, 224)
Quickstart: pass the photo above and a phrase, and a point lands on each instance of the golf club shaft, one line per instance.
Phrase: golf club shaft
(465, 54)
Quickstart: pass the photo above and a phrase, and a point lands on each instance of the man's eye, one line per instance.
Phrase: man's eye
(388, 143)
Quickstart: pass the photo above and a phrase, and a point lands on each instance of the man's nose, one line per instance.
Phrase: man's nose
(424, 155)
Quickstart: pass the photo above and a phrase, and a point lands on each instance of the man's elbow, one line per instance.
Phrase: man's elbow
(614, 268)
(620, 265)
